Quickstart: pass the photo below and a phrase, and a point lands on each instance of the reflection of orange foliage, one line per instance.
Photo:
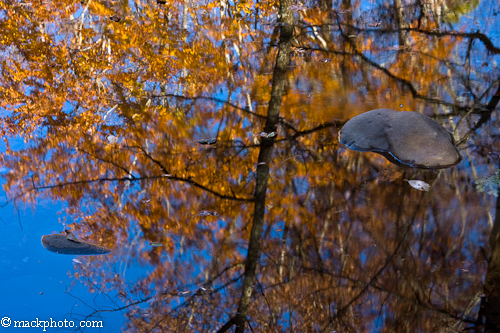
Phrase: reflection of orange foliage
(340, 226)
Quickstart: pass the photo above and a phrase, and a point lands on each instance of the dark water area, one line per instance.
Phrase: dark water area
(199, 142)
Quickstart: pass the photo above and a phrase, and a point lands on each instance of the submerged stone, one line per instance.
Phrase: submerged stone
(405, 138)
(61, 244)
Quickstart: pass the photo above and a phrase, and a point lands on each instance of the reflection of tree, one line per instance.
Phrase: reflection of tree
(264, 159)
(326, 239)
(489, 313)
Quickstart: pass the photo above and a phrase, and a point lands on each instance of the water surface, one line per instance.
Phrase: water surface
(199, 142)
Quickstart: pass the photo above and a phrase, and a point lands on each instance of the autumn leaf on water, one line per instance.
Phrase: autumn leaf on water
(297, 8)
(268, 135)
(418, 184)
(111, 139)
(208, 213)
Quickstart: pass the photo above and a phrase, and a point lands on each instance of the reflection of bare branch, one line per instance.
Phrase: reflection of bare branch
(190, 181)
(213, 99)
(385, 290)
(190, 300)
(18, 215)
(388, 260)
(106, 161)
(147, 299)
(124, 179)
(217, 100)
(472, 35)
(273, 320)
(486, 115)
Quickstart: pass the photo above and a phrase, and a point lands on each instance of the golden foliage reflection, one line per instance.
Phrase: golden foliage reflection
(346, 243)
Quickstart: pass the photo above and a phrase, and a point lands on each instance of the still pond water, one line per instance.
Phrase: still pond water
(198, 141)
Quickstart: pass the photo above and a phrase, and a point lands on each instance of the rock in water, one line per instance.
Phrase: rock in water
(405, 138)
(60, 244)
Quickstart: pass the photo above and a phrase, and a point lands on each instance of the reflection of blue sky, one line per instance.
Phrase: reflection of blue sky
(34, 281)
(27, 269)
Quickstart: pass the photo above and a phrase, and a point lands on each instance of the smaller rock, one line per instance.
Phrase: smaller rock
(59, 243)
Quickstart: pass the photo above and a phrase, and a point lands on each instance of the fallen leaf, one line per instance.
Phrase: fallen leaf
(268, 135)
(297, 8)
(418, 184)
(208, 213)
(111, 139)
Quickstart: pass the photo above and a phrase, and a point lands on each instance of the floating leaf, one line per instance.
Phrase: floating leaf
(111, 139)
(418, 184)
(208, 213)
(299, 50)
(268, 135)
(207, 141)
(77, 261)
(154, 244)
(297, 8)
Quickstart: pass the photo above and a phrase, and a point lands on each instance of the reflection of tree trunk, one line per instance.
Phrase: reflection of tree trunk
(490, 307)
(402, 24)
(265, 154)
(326, 30)
(424, 14)
(347, 8)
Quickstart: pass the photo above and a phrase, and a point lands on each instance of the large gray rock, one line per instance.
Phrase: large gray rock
(61, 244)
(405, 138)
